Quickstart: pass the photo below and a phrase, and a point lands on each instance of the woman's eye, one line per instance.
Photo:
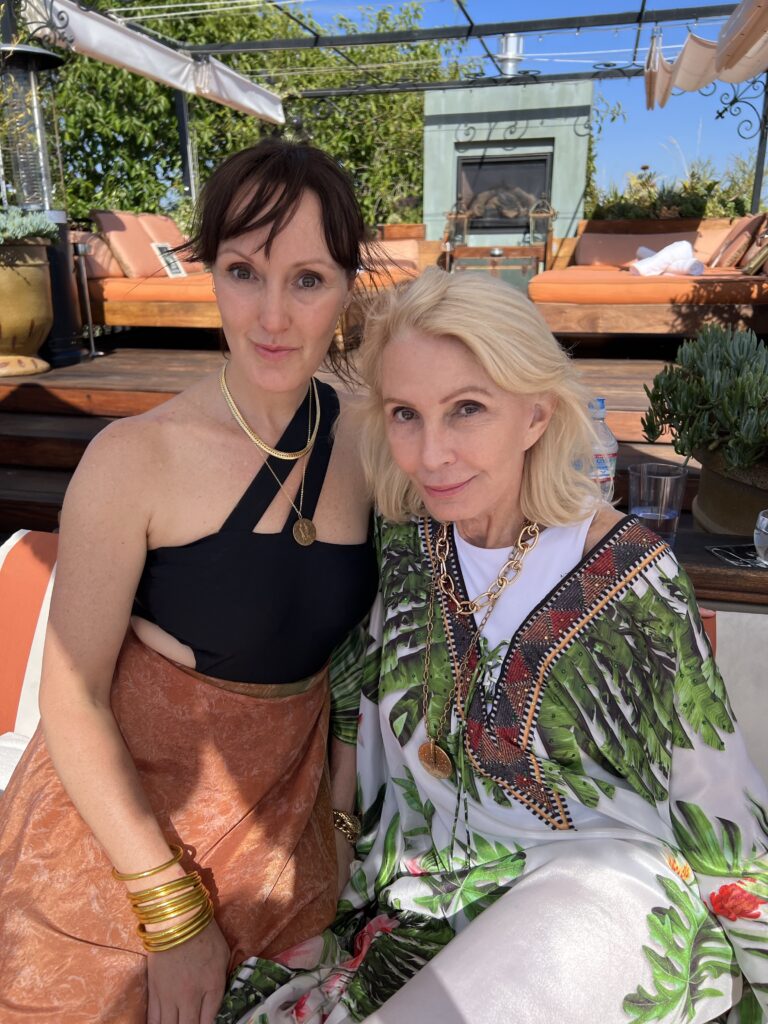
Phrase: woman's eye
(240, 272)
(402, 414)
(309, 281)
(469, 408)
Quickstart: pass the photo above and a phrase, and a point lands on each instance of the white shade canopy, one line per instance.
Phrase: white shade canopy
(66, 24)
(740, 53)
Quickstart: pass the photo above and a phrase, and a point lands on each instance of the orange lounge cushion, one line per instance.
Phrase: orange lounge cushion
(99, 262)
(198, 288)
(594, 286)
(130, 237)
(733, 249)
(613, 250)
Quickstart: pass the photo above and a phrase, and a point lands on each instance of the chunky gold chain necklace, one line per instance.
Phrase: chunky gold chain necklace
(432, 756)
(240, 420)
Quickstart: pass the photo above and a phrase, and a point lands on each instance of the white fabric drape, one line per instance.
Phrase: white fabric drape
(740, 53)
(93, 35)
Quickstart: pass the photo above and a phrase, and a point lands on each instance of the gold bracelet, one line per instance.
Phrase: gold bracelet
(126, 877)
(157, 942)
(348, 824)
(165, 889)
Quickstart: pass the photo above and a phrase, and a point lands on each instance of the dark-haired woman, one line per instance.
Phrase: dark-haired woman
(174, 814)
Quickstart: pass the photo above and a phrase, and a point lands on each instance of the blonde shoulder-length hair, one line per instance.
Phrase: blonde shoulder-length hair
(506, 334)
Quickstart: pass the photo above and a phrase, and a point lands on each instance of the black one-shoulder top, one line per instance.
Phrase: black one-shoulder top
(258, 607)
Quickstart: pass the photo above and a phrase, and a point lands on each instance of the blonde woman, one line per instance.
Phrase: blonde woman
(557, 800)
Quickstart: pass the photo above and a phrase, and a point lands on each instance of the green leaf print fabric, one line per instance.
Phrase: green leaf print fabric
(600, 851)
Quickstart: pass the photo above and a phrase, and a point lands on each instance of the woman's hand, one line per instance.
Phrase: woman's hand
(345, 854)
(186, 983)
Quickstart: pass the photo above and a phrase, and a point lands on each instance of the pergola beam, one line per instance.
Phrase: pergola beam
(469, 83)
(468, 31)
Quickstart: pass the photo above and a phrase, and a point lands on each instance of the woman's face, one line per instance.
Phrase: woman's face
(459, 437)
(279, 313)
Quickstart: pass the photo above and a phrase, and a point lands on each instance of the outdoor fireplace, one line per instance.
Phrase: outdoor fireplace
(498, 192)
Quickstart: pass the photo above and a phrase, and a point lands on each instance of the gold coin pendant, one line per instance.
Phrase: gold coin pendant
(304, 532)
(435, 760)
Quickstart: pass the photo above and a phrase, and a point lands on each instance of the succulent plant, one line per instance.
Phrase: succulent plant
(715, 398)
(19, 225)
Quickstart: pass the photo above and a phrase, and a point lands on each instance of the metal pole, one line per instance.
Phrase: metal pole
(188, 162)
(7, 22)
(757, 189)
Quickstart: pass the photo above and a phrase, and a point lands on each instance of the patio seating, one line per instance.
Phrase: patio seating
(589, 290)
(27, 563)
(136, 280)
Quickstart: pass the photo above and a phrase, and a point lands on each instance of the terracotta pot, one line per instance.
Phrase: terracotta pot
(394, 232)
(26, 309)
(728, 500)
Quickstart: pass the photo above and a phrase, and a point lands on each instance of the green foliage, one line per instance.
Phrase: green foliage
(17, 225)
(691, 953)
(702, 193)
(602, 113)
(120, 138)
(714, 398)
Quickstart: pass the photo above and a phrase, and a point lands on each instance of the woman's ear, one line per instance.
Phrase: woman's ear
(542, 408)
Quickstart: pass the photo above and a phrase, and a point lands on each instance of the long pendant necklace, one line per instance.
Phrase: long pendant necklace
(304, 530)
(433, 757)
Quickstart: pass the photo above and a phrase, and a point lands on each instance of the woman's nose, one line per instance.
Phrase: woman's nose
(273, 311)
(436, 448)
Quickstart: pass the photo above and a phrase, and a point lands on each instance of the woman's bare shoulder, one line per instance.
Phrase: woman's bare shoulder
(606, 519)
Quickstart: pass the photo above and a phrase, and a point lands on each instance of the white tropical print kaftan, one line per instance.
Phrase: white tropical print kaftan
(602, 803)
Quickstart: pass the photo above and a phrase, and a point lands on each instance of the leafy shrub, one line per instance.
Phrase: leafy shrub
(714, 397)
(701, 194)
(18, 225)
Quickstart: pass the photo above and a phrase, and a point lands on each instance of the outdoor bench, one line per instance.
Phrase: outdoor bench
(590, 291)
(135, 279)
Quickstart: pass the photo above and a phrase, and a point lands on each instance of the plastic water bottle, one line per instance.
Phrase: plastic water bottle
(605, 448)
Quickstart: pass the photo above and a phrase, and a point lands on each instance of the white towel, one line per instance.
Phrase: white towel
(676, 258)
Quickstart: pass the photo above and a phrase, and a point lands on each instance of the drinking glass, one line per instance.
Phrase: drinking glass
(761, 537)
(656, 492)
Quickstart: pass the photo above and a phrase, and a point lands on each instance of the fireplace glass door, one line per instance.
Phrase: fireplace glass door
(498, 192)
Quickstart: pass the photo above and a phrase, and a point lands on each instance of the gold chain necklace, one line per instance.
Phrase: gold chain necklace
(240, 420)
(432, 756)
(303, 530)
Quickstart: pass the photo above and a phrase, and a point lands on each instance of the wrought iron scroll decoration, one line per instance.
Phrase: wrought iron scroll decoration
(740, 101)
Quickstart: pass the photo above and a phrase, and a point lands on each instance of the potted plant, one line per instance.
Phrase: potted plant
(26, 311)
(714, 402)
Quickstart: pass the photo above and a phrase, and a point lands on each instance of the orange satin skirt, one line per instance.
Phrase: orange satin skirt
(239, 780)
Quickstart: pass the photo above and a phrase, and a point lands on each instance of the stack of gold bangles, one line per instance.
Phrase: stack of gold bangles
(166, 901)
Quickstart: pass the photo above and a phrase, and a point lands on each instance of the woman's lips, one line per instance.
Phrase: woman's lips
(274, 353)
(446, 490)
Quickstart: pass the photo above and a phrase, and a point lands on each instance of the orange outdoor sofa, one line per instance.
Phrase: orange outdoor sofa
(589, 290)
(136, 280)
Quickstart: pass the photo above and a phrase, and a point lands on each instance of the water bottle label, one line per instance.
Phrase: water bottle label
(604, 464)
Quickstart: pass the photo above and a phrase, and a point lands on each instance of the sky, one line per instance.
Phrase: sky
(665, 140)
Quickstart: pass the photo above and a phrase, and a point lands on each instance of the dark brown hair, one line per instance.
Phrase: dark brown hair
(272, 176)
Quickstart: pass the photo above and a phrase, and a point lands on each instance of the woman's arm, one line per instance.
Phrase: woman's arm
(105, 519)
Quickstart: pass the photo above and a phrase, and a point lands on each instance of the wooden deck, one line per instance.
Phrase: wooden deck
(46, 421)
(131, 381)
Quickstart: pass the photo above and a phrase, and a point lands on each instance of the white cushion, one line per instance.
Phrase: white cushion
(12, 745)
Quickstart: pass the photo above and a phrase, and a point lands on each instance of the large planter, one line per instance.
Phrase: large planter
(728, 500)
(26, 309)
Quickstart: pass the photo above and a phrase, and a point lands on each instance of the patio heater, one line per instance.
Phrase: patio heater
(29, 183)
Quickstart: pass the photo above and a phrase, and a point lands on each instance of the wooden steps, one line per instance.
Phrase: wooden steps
(46, 421)
(31, 498)
(53, 442)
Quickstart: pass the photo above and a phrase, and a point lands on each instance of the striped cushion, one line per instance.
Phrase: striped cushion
(27, 562)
